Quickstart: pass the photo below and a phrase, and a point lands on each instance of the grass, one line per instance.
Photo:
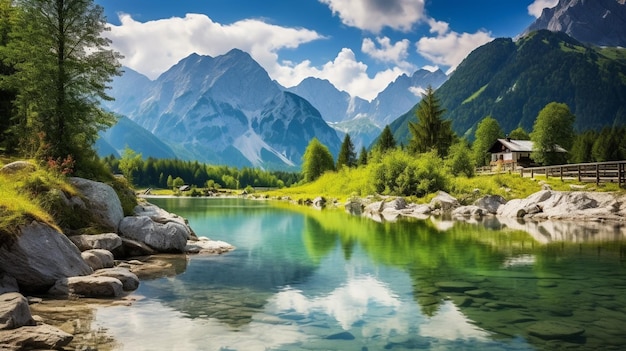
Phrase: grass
(475, 95)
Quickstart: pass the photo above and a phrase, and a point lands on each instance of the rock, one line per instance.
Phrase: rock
(490, 203)
(98, 258)
(89, 286)
(444, 202)
(129, 280)
(8, 284)
(14, 311)
(17, 166)
(159, 215)
(206, 246)
(396, 204)
(102, 201)
(319, 202)
(354, 207)
(40, 256)
(552, 330)
(513, 207)
(108, 241)
(468, 211)
(168, 237)
(133, 248)
(39, 337)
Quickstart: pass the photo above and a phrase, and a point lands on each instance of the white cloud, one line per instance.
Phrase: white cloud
(385, 51)
(536, 8)
(450, 48)
(345, 72)
(374, 15)
(154, 46)
(431, 68)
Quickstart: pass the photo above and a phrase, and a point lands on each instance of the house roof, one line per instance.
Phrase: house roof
(516, 146)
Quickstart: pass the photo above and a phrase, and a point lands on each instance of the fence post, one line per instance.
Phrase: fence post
(597, 174)
(579, 176)
(561, 170)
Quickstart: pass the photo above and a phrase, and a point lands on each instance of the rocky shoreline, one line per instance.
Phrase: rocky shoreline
(59, 273)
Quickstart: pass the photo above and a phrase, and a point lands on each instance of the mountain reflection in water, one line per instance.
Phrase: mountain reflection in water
(324, 280)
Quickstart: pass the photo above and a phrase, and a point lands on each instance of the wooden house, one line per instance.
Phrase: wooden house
(511, 154)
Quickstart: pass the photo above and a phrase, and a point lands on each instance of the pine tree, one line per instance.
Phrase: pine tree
(63, 66)
(386, 141)
(347, 156)
(362, 156)
(431, 131)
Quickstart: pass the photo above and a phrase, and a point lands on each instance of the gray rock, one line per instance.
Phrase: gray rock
(168, 237)
(444, 202)
(468, 212)
(102, 201)
(319, 202)
(133, 248)
(89, 286)
(108, 241)
(206, 246)
(17, 166)
(98, 258)
(39, 337)
(490, 203)
(159, 215)
(396, 204)
(552, 330)
(354, 207)
(40, 256)
(129, 280)
(14, 311)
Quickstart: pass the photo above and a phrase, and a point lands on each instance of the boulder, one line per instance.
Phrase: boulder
(354, 207)
(490, 203)
(40, 256)
(39, 337)
(98, 258)
(168, 237)
(444, 202)
(207, 246)
(396, 204)
(108, 241)
(531, 203)
(102, 201)
(14, 311)
(17, 166)
(471, 211)
(553, 330)
(319, 202)
(129, 280)
(133, 248)
(159, 215)
(88, 286)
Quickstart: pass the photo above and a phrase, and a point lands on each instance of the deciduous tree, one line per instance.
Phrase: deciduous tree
(316, 160)
(487, 132)
(553, 127)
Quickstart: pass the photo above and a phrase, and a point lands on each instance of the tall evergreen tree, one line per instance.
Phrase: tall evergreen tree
(386, 140)
(362, 156)
(63, 65)
(347, 156)
(431, 131)
(316, 160)
(487, 132)
(553, 127)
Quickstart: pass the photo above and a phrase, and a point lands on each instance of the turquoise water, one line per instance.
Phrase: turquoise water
(304, 279)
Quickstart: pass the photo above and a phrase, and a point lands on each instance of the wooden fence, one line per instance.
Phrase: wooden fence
(598, 172)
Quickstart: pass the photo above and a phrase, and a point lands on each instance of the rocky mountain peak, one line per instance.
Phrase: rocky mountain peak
(598, 22)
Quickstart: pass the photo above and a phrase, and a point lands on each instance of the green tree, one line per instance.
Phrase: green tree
(63, 65)
(519, 134)
(386, 141)
(130, 163)
(487, 132)
(459, 160)
(553, 127)
(582, 147)
(316, 160)
(178, 182)
(362, 156)
(347, 156)
(170, 181)
(431, 132)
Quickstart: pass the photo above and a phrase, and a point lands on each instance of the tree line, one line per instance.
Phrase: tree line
(169, 173)
(435, 152)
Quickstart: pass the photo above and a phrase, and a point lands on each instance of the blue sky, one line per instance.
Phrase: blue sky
(359, 45)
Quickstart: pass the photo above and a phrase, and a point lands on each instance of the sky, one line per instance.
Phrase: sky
(358, 45)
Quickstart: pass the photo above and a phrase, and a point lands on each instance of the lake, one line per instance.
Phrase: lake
(304, 279)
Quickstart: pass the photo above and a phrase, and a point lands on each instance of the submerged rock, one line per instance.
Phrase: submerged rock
(551, 330)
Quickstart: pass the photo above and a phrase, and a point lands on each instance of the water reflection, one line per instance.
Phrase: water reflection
(305, 279)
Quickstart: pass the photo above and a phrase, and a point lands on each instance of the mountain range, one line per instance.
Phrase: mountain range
(227, 110)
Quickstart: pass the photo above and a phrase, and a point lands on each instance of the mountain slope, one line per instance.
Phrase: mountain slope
(225, 110)
(513, 81)
(598, 22)
(128, 133)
